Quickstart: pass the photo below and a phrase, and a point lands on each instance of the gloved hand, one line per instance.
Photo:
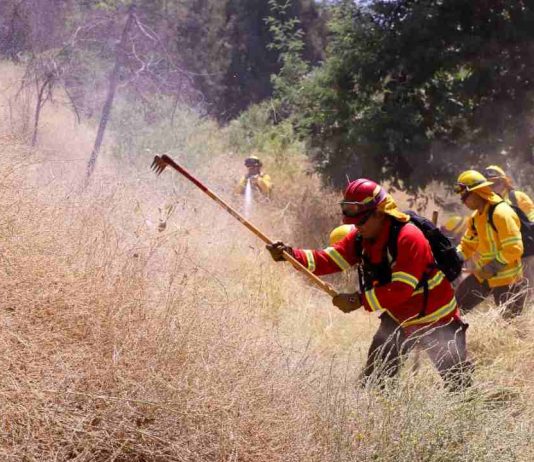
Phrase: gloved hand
(490, 269)
(347, 302)
(482, 274)
(277, 248)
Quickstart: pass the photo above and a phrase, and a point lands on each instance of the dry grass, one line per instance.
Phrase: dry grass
(121, 344)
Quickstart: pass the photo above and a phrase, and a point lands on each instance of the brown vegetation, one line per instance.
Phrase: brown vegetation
(121, 344)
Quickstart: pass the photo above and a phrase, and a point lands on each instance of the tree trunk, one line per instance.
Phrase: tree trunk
(113, 82)
(38, 106)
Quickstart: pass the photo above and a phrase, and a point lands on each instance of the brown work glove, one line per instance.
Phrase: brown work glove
(490, 269)
(347, 302)
(277, 249)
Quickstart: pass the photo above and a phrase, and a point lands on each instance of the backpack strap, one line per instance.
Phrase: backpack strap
(390, 251)
(392, 246)
(426, 290)
(358, 246)
(473, 227)
(358, 249)
(491, 211)
(513, 198)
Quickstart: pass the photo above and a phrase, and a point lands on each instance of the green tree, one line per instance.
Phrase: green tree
(417, 90)
(288, 41)
(226, 45)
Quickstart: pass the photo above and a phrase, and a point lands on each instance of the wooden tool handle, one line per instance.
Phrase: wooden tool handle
(296, 264)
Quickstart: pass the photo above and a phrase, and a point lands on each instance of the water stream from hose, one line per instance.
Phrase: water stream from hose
(248, 199)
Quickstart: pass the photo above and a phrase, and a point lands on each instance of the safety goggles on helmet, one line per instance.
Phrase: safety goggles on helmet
(252, 162)
(354, 208)
(465, 195)
(461, 188)
(359, 212)
(492, 174)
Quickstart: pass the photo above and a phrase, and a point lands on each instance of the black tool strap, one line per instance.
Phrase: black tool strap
(426, 293)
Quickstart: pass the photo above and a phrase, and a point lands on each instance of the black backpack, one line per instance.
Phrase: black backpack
(527, 226)
(444, 252)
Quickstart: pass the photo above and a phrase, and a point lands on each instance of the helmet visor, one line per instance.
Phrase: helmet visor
(493, 173)
(252, 163)
(353, 208)
(460, 188)
(463, 190)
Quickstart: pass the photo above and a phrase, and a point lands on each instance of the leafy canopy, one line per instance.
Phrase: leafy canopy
(417, 90)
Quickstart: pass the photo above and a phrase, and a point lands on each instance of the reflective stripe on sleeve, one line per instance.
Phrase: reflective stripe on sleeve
(500, 258)
(432, 283)
(406, 278)
(372, 300)
(311, 260)
(337, 258)
(434, 316)
(510, 241)
(509, 274)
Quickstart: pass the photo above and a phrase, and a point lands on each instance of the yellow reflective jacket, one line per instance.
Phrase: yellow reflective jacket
(521, 200)
(483, 244)
(263, 183)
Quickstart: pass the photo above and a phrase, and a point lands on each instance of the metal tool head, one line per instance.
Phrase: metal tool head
(159, 164)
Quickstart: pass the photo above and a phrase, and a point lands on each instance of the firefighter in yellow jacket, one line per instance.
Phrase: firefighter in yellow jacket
(493, 241)
(503, 186)
(454, 228)
(259, 181)
(339, 233)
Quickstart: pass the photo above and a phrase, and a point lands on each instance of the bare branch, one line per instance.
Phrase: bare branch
(73, 104)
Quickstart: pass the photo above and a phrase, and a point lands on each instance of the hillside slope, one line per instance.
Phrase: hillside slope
(119, 343)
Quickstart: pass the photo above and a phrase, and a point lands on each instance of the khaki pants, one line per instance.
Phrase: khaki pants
(445, 345)
(471, 293)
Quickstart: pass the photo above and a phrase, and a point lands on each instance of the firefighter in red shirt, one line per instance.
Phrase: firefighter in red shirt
(415, 299)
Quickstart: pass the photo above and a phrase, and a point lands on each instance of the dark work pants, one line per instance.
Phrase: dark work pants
(445, 345)
(528, 269)
(471, 292)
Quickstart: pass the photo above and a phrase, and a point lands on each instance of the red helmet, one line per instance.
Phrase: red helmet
(361, 198)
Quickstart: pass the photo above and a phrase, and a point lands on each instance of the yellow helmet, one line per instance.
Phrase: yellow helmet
(339, 233)
(470, 180)
(494, 171)
(455, 225)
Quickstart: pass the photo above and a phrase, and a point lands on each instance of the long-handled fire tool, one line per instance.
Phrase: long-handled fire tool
(159, 164)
